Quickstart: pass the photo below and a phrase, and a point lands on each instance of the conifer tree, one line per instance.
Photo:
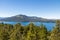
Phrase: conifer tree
(31, 35)
(42, 32)
(4, 35)
(17, 32)
(55, 34)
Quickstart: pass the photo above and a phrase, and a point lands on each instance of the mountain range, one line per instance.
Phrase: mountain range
(24, 18)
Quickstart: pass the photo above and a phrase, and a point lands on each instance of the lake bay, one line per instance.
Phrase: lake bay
(49, 26)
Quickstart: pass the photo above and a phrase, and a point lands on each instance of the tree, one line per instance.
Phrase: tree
(31, 35)
(17, 32)
(55, 34)
(4, 35)
(1, 28)
(42, 32)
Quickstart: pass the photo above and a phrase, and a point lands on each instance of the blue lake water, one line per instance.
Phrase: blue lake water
(49, 26)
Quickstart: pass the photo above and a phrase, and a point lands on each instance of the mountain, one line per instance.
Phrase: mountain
(24, 18)
(1, 18)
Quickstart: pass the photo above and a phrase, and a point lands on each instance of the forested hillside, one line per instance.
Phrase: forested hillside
(29, 32)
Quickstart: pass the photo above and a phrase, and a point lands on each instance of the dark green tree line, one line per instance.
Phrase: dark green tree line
(29, 32)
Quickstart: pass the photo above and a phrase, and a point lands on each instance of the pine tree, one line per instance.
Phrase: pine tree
(42, 32)
(31, 35)
(55, 34)
(1, 28)
(17, 32)
(4, 35)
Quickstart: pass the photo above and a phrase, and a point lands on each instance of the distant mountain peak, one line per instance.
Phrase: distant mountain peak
(24, 18)
(21, 15)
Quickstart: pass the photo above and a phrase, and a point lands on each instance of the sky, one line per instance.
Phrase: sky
(49, 9)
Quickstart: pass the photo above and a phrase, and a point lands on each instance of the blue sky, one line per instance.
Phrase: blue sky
(41, 8)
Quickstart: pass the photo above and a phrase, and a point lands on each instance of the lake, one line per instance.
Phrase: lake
(49, 26)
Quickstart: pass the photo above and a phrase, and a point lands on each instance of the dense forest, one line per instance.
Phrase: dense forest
(29, 32)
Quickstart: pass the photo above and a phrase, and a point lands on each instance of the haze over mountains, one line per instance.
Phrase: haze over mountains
(24, 18)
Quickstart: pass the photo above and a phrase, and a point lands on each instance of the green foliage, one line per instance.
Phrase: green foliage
(55, 34)
(29, 32)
